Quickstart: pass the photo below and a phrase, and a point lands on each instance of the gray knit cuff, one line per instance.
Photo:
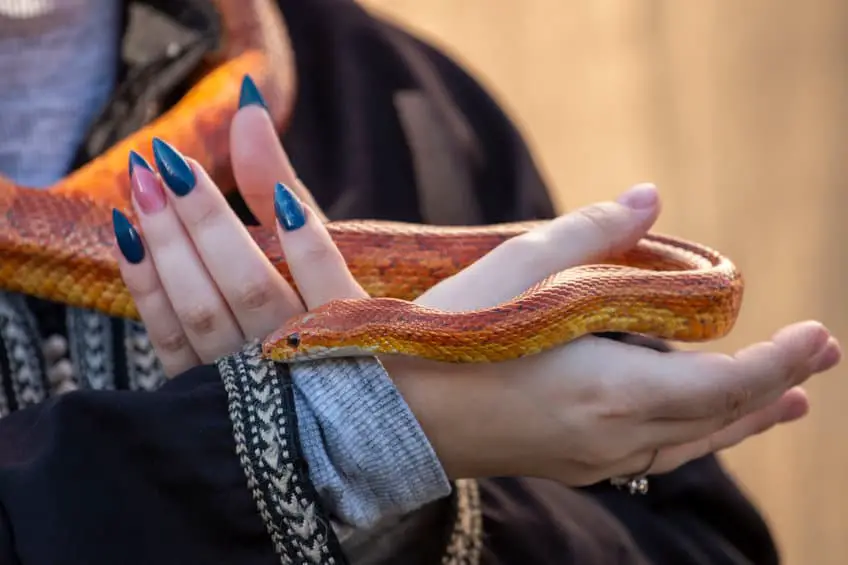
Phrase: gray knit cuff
(368, 456)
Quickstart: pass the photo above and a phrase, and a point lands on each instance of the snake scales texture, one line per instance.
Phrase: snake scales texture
(57, 244)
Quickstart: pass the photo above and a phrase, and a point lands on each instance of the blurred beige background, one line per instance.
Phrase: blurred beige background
(739, 112)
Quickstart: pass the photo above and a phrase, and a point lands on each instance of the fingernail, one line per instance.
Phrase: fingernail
(794, 411)
(639, 197)
(250, 95)
(129, 242)
(827, 357)
(175, 170)
(137, 160)
(147, 191)
(289, 210)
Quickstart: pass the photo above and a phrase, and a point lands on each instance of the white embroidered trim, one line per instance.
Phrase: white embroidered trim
(19, 337)
(261, 408)
(90, 337)
(143, 366)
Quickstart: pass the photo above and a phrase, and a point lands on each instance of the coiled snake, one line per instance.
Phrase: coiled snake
(57, 244)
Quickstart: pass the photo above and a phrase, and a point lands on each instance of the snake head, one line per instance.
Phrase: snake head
(332, 330)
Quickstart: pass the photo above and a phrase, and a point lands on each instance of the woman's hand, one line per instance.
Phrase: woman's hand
(200, 282)
(598, 408)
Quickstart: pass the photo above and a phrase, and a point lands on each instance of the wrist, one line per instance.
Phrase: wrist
(464, 410)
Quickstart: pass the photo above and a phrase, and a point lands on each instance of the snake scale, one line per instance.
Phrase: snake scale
(57, 244)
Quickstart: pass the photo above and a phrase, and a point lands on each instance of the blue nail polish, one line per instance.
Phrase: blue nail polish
(289, 210)
(250, 95)
(137, 160)
(129, 242)
(173, 167)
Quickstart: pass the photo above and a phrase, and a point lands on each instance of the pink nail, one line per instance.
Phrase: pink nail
(639, 197)
(147, 191)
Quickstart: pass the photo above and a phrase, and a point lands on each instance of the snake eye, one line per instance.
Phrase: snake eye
(293, 340)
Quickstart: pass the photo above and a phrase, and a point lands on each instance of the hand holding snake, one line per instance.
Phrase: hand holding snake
(578, 413)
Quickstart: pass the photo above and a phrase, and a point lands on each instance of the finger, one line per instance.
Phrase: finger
(258, 298)
(316, 264)
(725, 387)
(662, 459)
(203, 313)
(828, 357)
(684, 385)
(824, 360)
(790, 407)
(163, 327)
(662, 432)
(258, 158)
(587, 235)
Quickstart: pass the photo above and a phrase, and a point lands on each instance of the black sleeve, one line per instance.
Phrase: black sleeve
(121, 477)
(106, 477)
(695, 514)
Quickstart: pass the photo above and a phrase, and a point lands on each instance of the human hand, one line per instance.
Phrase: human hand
(200, 283)
(597, 408)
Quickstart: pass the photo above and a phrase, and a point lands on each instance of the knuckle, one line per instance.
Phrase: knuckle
(619, 409)
(200, 319)
(735, 402)
(315, 253)
(735, 394)
(206, 213)
(170, 342)
(255, 294)
(613, 400)
(791, 376)
(609, 399)
(598, 221)
(141, 287)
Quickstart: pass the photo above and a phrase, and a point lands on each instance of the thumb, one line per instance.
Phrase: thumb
(596, 232)
(258, 159)
(588, 235)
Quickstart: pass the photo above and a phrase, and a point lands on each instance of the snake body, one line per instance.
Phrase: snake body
(57, 244)
(664, 287)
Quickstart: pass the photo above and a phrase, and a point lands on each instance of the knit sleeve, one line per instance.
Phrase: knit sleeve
(368, 456)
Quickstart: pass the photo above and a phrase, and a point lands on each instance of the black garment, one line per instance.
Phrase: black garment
(385, 127)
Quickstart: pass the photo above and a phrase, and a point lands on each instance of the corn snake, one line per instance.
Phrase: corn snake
(56, 244)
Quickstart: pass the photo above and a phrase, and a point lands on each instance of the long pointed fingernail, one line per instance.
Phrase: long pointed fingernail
(175, 170)
(289, 210)
(148, 191)
(250, 95)
(137, 160)
(129, 242)
(640, 197)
